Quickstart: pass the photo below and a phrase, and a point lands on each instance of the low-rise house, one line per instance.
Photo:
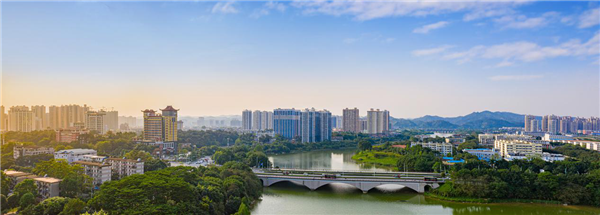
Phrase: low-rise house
(20, 151)
(48, 187)
(72, 155)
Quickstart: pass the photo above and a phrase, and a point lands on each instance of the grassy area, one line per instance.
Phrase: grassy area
(388, 159)
(489, 200)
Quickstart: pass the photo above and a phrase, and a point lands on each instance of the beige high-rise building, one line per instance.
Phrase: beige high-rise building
(3, 119)
(378, 121)
(169, 115)
(20, 118)
(39, 117)
(528, 126)
(95, 121)
(160, 127)
(65, 116)
(111, 120)
(351, 120)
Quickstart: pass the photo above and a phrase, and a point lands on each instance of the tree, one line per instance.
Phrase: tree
(3, 201)
(13, 200)
(26, 200)
(223, 156)
(26, 186)
(53, 205)
(137, 154)
(243, 210)
(74, 183)
(467, 145)
(73, 207)
(265, 138)
(4, 183)
(257, 159)
(365, 145)
(154, 164)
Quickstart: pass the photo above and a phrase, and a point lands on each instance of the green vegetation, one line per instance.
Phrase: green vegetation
(388, 159)
(181, 190)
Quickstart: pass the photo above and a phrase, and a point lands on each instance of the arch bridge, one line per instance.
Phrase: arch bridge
(363, 183)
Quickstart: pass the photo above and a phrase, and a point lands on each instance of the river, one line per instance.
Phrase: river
(288, 198)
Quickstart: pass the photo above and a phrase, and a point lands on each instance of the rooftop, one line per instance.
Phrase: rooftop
(13, 173)
(169, 108)
(122, 159)
(90, 163)
(69, 151)
(48, 180)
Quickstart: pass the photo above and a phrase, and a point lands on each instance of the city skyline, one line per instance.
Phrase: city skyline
(220, 58)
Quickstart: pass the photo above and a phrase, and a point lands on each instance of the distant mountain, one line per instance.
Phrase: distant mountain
(475, 120)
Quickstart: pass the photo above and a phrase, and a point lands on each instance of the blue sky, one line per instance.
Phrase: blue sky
(218, 58)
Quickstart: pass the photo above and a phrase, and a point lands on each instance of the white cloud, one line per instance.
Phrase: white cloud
(367, 10)
(426, 28)
(525, 51)
(515, 77)
(432, 51)
(522, 21)
(224, 7)
(267, 8)
(589, 18)
(373, 37)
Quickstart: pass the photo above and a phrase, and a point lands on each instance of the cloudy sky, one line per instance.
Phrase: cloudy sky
(218, 58)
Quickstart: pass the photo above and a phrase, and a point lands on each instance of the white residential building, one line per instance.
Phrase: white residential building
(483, 154)
(72, 155)
(19, 151)
(443, 148)
(517, 147)
(126, 167)
(100, 172)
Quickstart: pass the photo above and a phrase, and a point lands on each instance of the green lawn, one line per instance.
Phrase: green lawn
(389, 159)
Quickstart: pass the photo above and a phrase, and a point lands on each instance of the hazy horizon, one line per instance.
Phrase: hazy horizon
(219, 58)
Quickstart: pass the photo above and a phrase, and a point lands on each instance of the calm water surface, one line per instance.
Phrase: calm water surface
(288, 198)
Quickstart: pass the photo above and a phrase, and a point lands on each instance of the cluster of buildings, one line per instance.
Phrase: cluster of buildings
(160, 127)
(315, 125)
(47, 186)
(257, 120)
(562, 124)
(99, 168)
(376, 122)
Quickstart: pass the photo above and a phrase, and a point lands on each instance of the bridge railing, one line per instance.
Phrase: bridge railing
(348, 171)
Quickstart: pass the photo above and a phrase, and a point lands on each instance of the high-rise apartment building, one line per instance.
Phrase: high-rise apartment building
(266, 120)
(169, 115)
(545, 123)
(39, 117)
(286, 122)
(129, 120)
(247, 120)
(152, 126)
(316, 125)
(527, 120)
(351, 120)
(20, 118)
(3, 119)
(111, 120)
(378, 121)
(95, 121)
(256, 120)
(65, 116)
(553, 124)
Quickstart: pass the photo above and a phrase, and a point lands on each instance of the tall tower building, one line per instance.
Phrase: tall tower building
(286, 122)
(266, 121)
(111, 120)
(39, 117)
(553, 124)
(66, 116)
(95, 121)
(20, 118)
(351, 120)
(545, 123)
(247, 120)
(169, 115)
(153, 126)
(378, 121)
(316, 125)
(3, 119)
(528, 119)
(256, 120)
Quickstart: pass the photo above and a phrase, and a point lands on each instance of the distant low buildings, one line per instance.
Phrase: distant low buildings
(19, 151)
(484, 154)
(443, 148)
(68, 135)
(554, 137)
(72, 155)
(520, 147)
(47, 187)
(591, 145)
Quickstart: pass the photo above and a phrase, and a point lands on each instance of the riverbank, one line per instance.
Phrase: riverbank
(345, 147)
(489, 200)
(385, 159)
